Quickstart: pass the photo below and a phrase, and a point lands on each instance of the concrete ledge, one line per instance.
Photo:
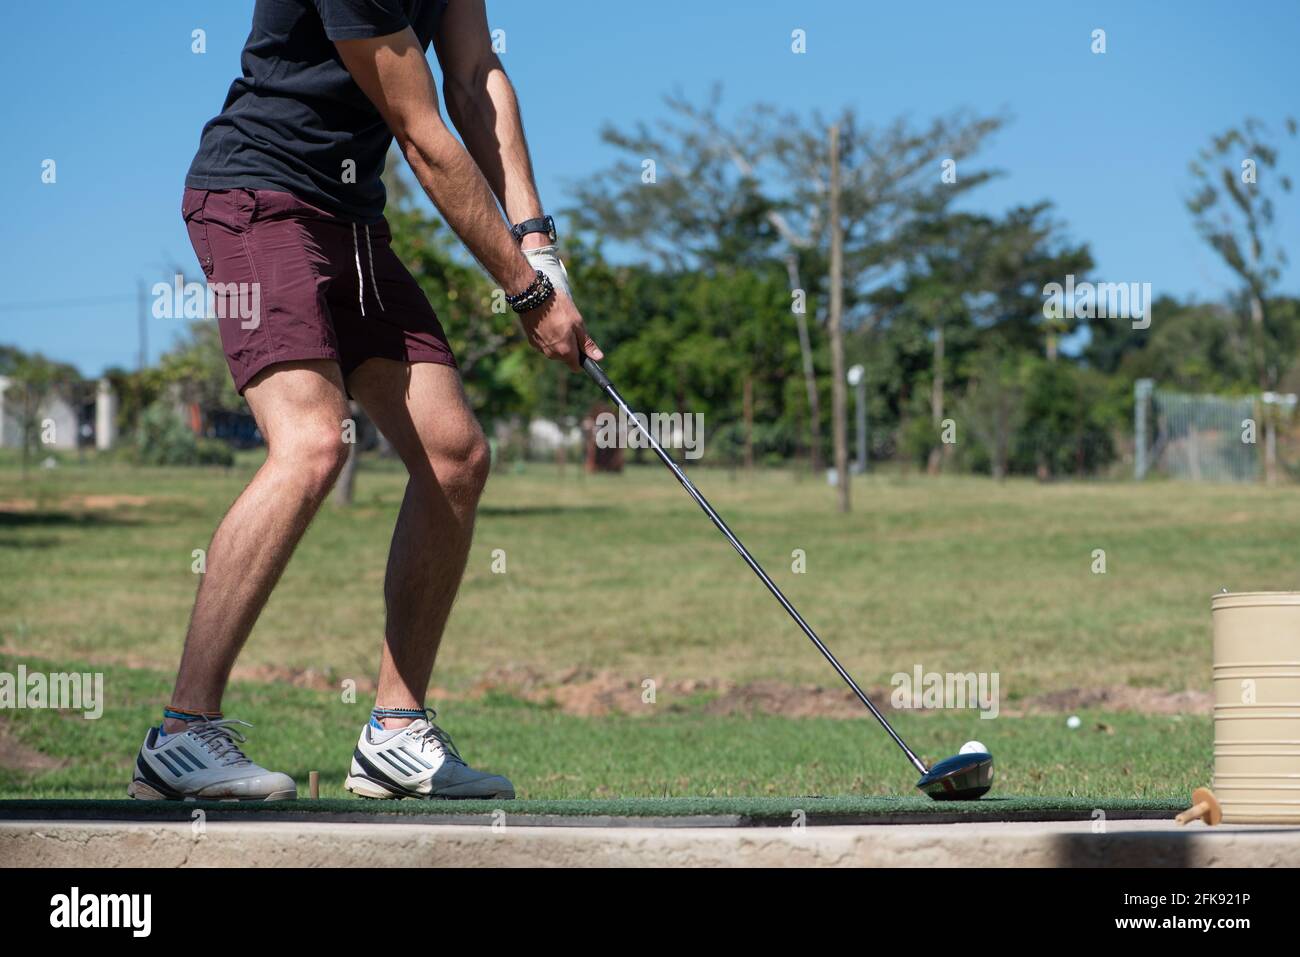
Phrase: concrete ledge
(1057, 844)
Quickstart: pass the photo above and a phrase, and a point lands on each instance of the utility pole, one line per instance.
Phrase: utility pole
(839, 403)
(142, 309)
(749, 421)
(809, 373)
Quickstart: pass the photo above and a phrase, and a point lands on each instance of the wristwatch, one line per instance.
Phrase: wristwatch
(542, 224)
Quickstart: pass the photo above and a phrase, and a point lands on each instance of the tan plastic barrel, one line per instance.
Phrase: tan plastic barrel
(1257, 706)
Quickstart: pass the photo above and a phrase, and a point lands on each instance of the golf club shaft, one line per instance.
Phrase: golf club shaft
(598, 376)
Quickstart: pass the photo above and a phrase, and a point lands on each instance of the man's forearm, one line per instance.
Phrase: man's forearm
(486, 113)
(457, 187)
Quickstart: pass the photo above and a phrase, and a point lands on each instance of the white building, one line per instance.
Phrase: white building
(58, 421)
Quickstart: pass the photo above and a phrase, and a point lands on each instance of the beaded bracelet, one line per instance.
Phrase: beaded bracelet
(538, 291)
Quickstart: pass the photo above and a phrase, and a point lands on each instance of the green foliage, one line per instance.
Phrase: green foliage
(482, 330)
(944, 309)
(1191, 348)
(917, 432)
(1234, 208)
(992, 409)
(1071, 415)
(196, 368)
(33, 382)
(135, 392)
(163, 439)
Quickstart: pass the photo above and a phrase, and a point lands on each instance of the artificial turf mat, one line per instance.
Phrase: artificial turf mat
(613, 812)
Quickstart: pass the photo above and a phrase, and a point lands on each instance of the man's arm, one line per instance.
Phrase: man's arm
(482, 105)
(393, 73)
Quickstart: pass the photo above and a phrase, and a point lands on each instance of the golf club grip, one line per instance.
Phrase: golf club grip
(596, 372)
(598, 375)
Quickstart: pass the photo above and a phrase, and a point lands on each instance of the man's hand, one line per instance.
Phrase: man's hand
(555, 329)
(546, 326)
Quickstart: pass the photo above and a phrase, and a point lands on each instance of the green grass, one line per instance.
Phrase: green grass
(623, 575)
(668, 753)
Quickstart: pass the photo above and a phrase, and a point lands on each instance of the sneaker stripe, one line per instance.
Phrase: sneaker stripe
(367, 766)
(153, 778)
(162, 759)
(376, 773)
(414, 757)
(395, 760)
(198, 765)
(176, 756)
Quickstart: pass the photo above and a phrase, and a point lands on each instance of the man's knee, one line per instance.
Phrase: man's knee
(314, 458)
(461, 469)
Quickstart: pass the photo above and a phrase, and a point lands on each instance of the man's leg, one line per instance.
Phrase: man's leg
(422, 410)
(300, 408)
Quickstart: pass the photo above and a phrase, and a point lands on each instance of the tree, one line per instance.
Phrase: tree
(971, 282)
(992, 407)
(1070, 417)
(195, 367)
(135, 391)
(946, 272)
(756, 188)
(482, 330)
(1193, 348)
(33, 382)
(834, 327)
(1233, 207)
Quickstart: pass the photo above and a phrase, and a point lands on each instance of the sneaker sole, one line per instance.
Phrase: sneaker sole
(143, 791)
(367, 787)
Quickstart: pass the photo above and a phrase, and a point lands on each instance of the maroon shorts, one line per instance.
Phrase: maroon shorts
(290, 282)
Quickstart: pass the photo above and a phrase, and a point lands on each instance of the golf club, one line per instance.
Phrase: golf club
(963, 777)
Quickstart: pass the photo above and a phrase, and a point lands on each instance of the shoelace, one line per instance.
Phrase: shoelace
(434, 736)
(219, 738)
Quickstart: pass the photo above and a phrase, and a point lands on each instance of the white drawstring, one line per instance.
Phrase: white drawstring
(375, 282)
(361, 279)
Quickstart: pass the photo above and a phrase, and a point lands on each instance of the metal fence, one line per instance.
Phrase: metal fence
(1211, 438)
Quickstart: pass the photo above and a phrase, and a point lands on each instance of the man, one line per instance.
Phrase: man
(284, 197)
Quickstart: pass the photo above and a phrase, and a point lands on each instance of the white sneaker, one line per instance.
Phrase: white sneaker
(204, 763)
(418, 761)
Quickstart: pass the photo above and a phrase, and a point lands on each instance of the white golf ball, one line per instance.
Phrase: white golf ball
(973, 747)
(1072, 722)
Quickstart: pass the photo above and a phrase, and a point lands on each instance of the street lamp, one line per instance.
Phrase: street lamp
(857, 377)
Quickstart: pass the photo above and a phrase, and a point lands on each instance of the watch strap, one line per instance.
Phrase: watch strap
(539, 224)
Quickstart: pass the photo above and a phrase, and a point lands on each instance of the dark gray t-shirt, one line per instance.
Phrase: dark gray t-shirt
(296, 121)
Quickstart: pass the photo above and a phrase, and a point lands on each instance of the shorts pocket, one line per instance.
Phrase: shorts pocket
(196, 224)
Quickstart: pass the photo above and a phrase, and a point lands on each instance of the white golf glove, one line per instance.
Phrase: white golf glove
(547, 259)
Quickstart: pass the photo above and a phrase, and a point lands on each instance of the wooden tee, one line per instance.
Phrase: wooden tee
(1205, 807)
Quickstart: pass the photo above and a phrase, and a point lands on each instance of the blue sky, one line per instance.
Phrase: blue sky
(118, 99)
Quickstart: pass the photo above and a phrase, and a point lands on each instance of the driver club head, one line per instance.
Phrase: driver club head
(962, 777)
